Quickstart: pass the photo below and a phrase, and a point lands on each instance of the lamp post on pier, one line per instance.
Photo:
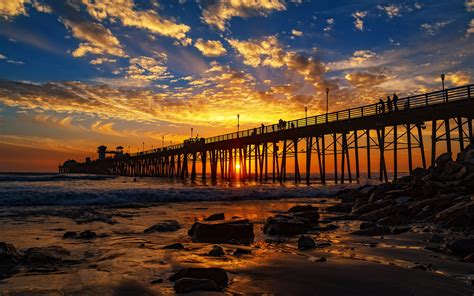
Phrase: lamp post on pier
(238, 123)
(162, 141)
(192, 133)
(306, 114)
(442, 83)
(327, 100)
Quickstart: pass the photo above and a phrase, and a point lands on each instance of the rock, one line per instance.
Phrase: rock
(420, 267)
(215, 217)
(329, 227)
(403, 199)
(340, 208)
(366, 225)
(378, 214)
(401, 229)
(443, 158)
(157, 281)
(87, 234)
(216, 251)
(469, 258)
(9, 258)
(320, 259)
(419, 172)
(217, 275)
(307, 212)
(460, 246)
(46, 255)
(306, 242)
(450, 170)
(233, 231)
(70, 234)
(370, 207)
(459, 215)
(392, 220)
(240, 251)
(286, 226)
(175, 246)
(164, 226)
(186, 285)
(373, 231)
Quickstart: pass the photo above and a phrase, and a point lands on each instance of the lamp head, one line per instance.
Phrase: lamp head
(442, 76)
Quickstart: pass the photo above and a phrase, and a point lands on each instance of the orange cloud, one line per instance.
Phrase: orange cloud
(210, 48)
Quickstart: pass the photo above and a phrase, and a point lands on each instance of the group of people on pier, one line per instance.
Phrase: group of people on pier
(392, 104)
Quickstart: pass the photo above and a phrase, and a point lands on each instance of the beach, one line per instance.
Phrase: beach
(120, 257)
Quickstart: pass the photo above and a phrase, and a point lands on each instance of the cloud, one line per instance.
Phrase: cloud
(433, 28)
(147, 68)
(99, 61)
(359, 59)
(2, 57)
(392, 10)
(470, 29)
(365, 79)
(210, 48)
(469, 5)
(98, 39)
(12, 8)
(296, 33)
(330, 22)
(458, 78)
(125, 12)
(221, 11)
(359, 19)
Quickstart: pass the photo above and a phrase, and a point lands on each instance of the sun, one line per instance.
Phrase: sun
(237, 166)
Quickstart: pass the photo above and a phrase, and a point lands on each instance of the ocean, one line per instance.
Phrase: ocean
(30, 189)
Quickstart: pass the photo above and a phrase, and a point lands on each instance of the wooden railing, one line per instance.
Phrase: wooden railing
(403, 104)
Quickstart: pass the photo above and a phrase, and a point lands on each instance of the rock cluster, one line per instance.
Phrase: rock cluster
(298, 220)
(192, 279)
(164, 226)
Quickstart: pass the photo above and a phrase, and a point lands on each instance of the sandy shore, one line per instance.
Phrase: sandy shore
(123, 258)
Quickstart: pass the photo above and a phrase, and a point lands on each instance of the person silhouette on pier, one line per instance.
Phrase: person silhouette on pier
(395, 102)
(389, 104)
(263, 128)
(382, 106)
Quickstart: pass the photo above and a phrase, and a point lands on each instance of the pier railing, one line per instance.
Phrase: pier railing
(403, 104)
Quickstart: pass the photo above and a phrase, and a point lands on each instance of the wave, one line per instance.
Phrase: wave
(142, 196)
(50, 177)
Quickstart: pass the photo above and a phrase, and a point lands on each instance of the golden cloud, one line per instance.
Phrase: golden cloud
(221, 11)
(99, 39)
(125, 12)
(210, 48)
(12, 8)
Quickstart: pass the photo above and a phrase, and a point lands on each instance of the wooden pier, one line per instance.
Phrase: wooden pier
(264, 153)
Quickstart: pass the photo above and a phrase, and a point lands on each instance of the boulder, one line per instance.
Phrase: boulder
(216, 251)
(87, 234)
(9, 258)
(215, 217)
(370, 207)
(459, 215)
(186, 285)
(443, 158)
(450, 169)
(175, 246)
(164, 226)
(340, 208)
(233, 231)
(366, 225)
(70, 234)
(379, 214)
(240, 251)
(460, 246)
(46, 255)
(306, 242)
(286, 226)
(215, 274)
(307, 212)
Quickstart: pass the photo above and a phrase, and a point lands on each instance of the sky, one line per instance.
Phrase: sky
(76, 74)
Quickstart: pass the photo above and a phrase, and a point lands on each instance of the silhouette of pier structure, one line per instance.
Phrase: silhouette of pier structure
(264, 153)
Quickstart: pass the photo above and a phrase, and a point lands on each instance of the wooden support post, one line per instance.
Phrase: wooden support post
(257, 155)
(274, 159)
(349, 173)
(297, 169)
(434, 139)
(322, 176)
(460, 132)
(323, 156)
(367, 133)
(469, 129)
(250, 163)
(448, 135)
(265, 151)
(221, 163)
(356, 150)
(410, 162)
(244, 164)
(395, 152)
(422, 146)
(203, 160)
(343, 155)
(240, 163)
(193, 168)
(309, 145)
(283, 163)
(335, 157)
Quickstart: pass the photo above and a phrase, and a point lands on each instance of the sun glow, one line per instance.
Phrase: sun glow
(237, 167)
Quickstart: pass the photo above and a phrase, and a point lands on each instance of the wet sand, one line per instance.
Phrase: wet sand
(124, 258)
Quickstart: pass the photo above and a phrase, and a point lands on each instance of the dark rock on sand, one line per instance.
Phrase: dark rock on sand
(215, 217)
(306, 242)
(46, 255)
(286, 225)
(164, 226)
(9, 258)
(186, 285)
(216, 251)
(157, 281)
(233, 231)
(215, 274)
(459, 215)
(70, 234)
(340, 208)
(175, 246)
(87, 234)
(469, 258)
(328, 227)
(460, 246)
(307, 212)
(366, 225)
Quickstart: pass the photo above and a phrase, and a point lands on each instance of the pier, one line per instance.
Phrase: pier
(267, 153)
